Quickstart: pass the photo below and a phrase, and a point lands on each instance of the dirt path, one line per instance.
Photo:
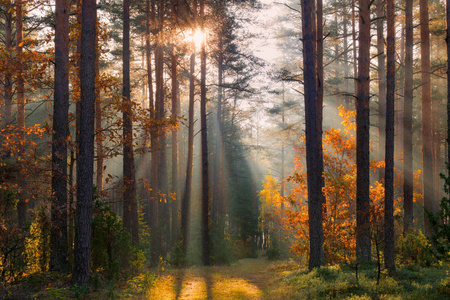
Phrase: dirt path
(246, 279)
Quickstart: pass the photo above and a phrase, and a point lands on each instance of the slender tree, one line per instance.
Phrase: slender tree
(22, 204)
(8, 83)
(314, 177)
(205, 173)
(130, 217)
(389, 255)
(186, 201)
(153, 204)
(175, 206)
(427, 135)
(408, 187)
(58, 236)
(447, 6)
(381, 81)
(85, 165)
(362, 136)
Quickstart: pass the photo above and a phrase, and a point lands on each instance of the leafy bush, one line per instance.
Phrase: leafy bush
(111, 249)
(440, 222)
(38, 244)
(414, 248)
(12, 239)
(221, 253)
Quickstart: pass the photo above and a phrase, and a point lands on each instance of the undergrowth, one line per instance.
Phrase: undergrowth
(340, 282)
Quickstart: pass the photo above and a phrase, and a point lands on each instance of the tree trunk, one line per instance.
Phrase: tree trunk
(381, 85)
(130, 216)
(164, 212)
(8, 85)
(205, 173)
(448, 79)
(22, 204)
(153, 203)
(408, 188)
(346, 66)
(186, 201)
(314, 176)
(319, 99)
(85, 166)
(355, 61)
(389, 254)
(363, 252)
(98, 115)
(175, 206)
(427, 134)
(58, 236)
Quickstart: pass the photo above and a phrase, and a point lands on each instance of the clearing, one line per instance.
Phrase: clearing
(245, 279)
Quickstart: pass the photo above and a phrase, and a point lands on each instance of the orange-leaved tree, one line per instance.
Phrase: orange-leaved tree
(340, 192)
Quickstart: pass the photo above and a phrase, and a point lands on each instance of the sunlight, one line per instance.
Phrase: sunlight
(198, 37)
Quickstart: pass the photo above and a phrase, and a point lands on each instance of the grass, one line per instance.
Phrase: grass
(249, 279)
(336, 282)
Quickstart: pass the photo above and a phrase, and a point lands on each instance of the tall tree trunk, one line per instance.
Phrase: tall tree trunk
(355, 61)
(381, 84)
(319, 99)
(130, 216)
(98, 115)
(408, 188)
(85, 166)
(363, 252)
(389, 254)
(205, 173)
(58, 236)
(186, 201)
(175, 206)
(22, 205)
(447, 6)
(164, 212)
(427, 134)
(8, 85)
(153, 203)
(346, 66)
(314, 176)
(218, 201)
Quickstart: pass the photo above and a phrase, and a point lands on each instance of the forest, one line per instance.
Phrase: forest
(224, 149)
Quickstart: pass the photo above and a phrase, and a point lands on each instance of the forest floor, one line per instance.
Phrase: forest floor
(245, 279)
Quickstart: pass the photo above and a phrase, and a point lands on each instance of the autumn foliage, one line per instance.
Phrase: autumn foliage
(340, 192)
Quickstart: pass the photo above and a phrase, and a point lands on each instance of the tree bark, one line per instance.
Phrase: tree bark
(153, 203)
(130, 216)
(58, 235)
(8, 85)
(98, 115)
(447, 39)
(175, 206)
(205, 171)
(427, 134)
(408, 188)
(363, 252)
(319, 99)
(186, 201)
(164, 212)
(381, 85)
(22, 204)
(314, 177)
(85, 166)
(389, 254)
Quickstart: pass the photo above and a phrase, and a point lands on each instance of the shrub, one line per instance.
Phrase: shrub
(415, 248)
(111, 248)
(37, 246)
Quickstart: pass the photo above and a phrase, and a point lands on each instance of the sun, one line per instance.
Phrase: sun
(198, 37)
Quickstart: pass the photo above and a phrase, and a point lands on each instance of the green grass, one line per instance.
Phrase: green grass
(336, 282)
